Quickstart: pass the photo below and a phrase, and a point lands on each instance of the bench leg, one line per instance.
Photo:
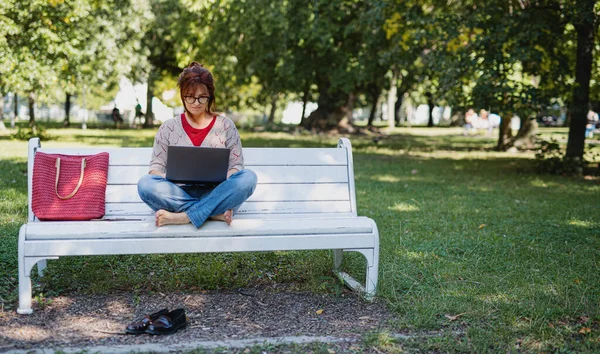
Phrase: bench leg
(338, 256)
(24, 278)
(41, 267)
(367, 291)
(372, 274)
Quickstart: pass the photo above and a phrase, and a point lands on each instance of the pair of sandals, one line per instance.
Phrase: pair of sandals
(161, 322)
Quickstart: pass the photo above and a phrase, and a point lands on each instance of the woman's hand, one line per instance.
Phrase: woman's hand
(158, 173)
(230, 172)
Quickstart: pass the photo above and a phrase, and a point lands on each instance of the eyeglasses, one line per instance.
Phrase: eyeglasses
(192, 99)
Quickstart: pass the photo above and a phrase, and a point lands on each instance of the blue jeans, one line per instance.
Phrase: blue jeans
(589, 130)
(198, 202)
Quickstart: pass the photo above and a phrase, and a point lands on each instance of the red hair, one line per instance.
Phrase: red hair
(194, 76)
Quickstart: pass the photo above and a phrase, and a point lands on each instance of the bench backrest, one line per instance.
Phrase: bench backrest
(292, 182)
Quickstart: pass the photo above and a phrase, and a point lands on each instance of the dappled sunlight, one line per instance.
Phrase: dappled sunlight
(404, 207)
(61, 303)
(16, 151)
(418, 255)
(427, 131)
(26, 333)
(495, 299)
(441, 154)
(583, 223)
(482, 188)
(543, 184)
(522, 323)
(97, 326)
(386, 178)
(118, 306)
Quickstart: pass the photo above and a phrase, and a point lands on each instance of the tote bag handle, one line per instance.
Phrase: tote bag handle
(78, 183)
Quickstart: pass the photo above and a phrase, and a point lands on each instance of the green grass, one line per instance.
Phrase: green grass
(472, 241)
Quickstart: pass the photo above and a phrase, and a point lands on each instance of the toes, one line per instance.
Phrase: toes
(228, 216)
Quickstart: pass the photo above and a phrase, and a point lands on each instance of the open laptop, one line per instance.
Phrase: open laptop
(197, 165)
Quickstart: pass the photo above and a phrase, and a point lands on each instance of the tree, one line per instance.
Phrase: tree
(255, 33)
(30, 44)
(295, 48)
(332, 34)
(484, 58)
(100, 46)
(585, 21)
(166, 42)
(71, 43)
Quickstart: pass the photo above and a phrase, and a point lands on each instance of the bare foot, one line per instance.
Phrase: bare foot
(226, 216)
(164, 217)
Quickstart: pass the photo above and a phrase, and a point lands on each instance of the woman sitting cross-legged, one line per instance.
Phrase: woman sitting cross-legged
(197, 126)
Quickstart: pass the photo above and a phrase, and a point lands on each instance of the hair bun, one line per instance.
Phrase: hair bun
(195, 63)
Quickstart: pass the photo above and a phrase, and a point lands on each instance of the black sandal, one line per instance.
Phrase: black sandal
(140, 326)
(168, 323)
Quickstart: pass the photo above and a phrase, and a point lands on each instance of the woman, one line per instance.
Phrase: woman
(197, 126)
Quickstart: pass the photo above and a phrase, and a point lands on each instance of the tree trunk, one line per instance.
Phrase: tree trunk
(375, 101)
(346, 124)
(271, 119)
(1, 106)
(304, 103)
(505, 134)
(149, 122)
(31, 99)
(67, 110)
(391, 100)
(431, 106)
(330, 111)
(2, 127)
(16, 111)
(527, 135)
(350, 107)
(585, 27)
(397, 107)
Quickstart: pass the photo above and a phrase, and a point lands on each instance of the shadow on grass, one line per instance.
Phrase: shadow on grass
(451, 142)
(116, 140)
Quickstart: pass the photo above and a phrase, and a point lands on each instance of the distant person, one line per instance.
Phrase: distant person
(116, 117)
(592, 121)
(138, 114)
(495, 121)
(471, 119)
(483, 122)
(199, 125)
(488, 121)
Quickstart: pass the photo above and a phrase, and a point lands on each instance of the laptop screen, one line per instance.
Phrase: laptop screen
(197, 165)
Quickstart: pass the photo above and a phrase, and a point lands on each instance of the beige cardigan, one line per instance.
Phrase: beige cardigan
(222, 135)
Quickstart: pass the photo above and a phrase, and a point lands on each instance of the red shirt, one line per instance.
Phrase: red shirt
(196, 135)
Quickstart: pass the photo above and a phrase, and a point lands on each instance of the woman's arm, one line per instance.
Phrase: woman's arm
(234, 144)
(158, 161)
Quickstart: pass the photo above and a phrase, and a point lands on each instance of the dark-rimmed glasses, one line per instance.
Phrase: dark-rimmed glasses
(192, 99)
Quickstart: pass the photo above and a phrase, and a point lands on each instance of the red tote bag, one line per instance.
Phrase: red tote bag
(69, 187)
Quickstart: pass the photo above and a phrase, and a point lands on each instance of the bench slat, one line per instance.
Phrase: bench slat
(74, 230)
(252, 156)
(41, 248)
(263, 192)
(266, 174)
(116, 209)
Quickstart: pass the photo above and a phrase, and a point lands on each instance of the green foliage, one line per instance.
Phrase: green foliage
(68, 45)
(35, 131)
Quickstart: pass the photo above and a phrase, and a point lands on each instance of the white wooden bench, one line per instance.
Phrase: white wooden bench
(305, 200)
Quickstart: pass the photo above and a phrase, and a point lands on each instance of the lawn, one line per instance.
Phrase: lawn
(472, 241)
